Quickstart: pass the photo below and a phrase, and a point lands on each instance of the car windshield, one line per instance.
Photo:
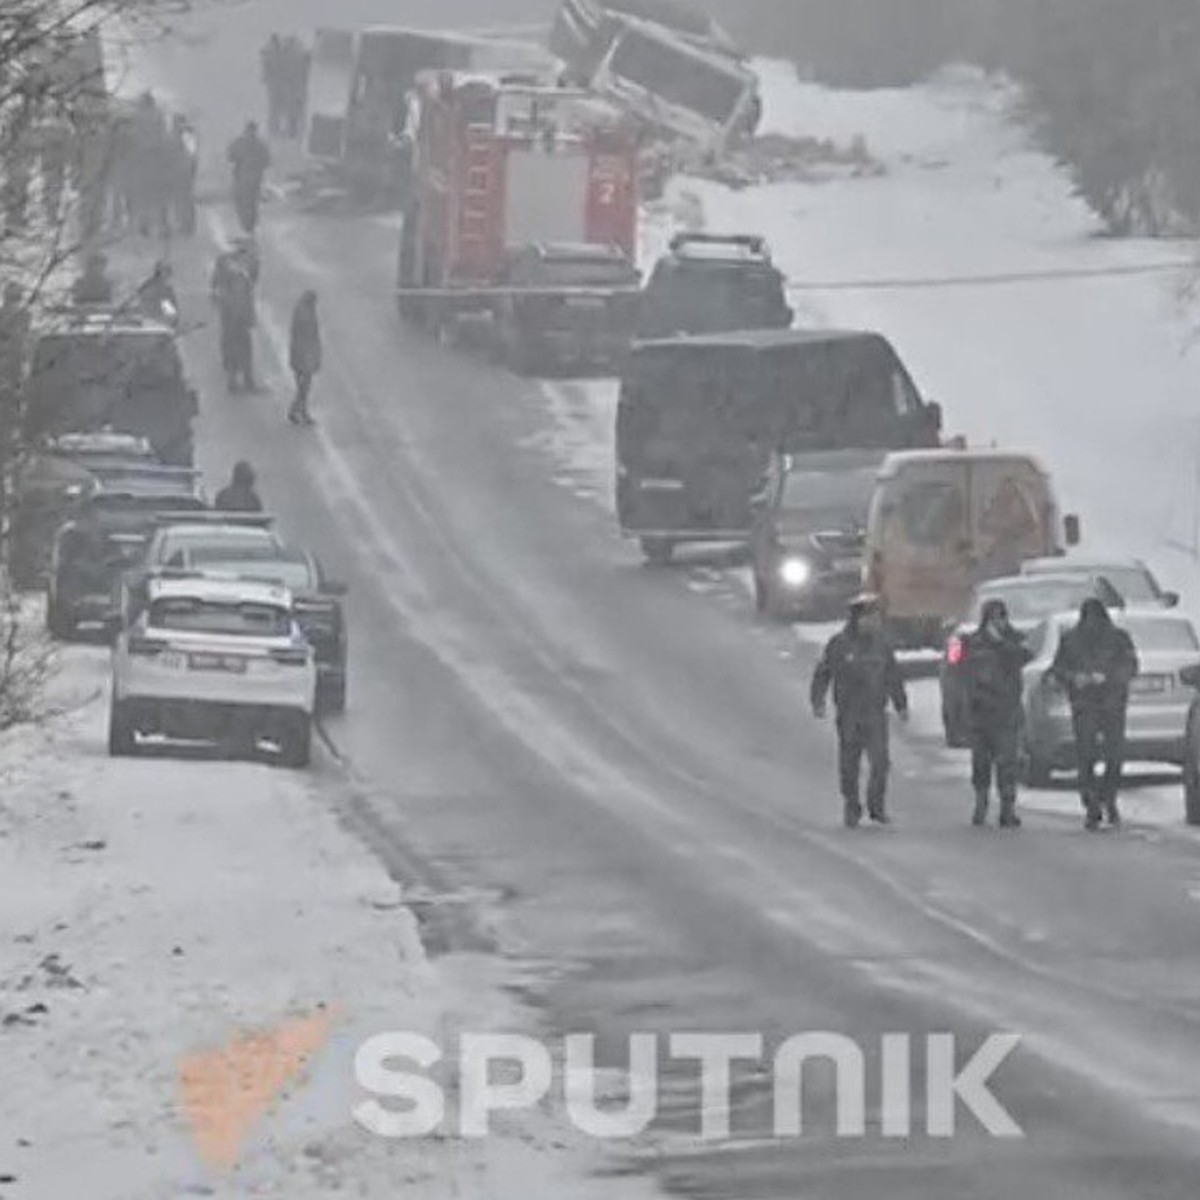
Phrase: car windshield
(711, 298)
(193, 615)
(668, 71)
(293, 573)
(1162, 635)
(1032, 602)
(1132, 583)
(846, 491)
(185, 552)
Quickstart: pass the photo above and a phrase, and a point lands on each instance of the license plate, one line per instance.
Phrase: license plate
(1150, 685)
(172, 661)
(847, 564)
(217, 662)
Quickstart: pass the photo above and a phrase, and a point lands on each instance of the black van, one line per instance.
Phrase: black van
(699, 417)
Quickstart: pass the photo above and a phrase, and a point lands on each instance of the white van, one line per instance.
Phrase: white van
(941, 521)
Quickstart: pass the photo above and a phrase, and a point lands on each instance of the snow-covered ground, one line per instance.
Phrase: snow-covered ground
(182, 940)
(1093, 372)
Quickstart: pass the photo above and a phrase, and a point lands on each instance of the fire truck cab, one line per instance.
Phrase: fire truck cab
(503, 163)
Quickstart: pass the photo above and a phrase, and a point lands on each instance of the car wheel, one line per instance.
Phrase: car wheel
(658, 550)
(122, 741)
(1191, 772)
(957, 737)
(296, 751)
(1035, 771)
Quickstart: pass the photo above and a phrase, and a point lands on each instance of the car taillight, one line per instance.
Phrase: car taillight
(290, 658)
(955, 651)
(146, 647)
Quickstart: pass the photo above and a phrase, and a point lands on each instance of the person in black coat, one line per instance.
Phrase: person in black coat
(1095, 663)
(249, 158)
(993, 658)
(304, 355)
(859, 664)
(239, 494)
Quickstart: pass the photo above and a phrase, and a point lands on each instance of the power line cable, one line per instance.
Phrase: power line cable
(998, 279)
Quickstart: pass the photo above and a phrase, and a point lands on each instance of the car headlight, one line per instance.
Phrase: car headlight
(795, 572)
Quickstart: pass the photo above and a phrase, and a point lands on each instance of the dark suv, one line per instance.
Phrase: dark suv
(105, 536)
(713, 283)
(570, 306)
(115, 372)
(809, 532)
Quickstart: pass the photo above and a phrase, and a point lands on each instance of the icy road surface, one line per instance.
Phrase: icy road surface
(604, 778)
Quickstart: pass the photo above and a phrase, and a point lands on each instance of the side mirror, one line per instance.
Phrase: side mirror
(1072, 531)
(1170, 599)
(1190, 676)
(933, 411)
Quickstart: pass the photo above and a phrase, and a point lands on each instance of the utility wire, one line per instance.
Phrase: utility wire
(1008, 277)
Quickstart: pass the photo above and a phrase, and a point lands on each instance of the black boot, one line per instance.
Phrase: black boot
(1008, 813)
(851, 813)
(979, 817)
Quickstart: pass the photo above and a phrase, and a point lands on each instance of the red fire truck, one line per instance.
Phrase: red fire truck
(524, 213)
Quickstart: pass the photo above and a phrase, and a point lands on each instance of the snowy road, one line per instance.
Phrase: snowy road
(606, 781)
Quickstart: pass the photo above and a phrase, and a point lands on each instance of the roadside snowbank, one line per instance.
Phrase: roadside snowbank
(170, 925)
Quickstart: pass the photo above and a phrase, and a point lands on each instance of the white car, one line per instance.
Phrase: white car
(219, 660)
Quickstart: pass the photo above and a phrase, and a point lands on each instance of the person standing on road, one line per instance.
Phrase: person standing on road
(1095, 663)
(274, 69)
(304, 355)
(239, 494)
(861, 666)
(249, 158)
(993, 658)
(233, 293)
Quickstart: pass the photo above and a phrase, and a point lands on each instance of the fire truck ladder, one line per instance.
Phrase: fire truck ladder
(476, 212)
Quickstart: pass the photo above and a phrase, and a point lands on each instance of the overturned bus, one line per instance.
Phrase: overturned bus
(699, 417)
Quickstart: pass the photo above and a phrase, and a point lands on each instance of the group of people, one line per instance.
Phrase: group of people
(233, 288)
(285, 67)
(1095, 664)
(149, 173)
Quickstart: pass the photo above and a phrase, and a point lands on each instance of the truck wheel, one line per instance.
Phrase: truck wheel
(332, 698)
(658, 551)
(1191, 773)
(121, 739)
(1035, 771)
(296, 751)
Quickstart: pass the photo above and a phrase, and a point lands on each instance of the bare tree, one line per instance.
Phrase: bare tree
(59, 141)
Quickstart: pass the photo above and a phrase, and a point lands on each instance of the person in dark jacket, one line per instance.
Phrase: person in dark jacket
(993, 658)
(860, 665)
(304, 355)
(1095, 663)
(239, 494)
(249, 157)
(232, 291)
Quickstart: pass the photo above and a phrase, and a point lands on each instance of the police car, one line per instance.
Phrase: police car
(217, 660)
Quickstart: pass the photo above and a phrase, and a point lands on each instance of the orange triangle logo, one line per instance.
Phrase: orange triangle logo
(227, 1092)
